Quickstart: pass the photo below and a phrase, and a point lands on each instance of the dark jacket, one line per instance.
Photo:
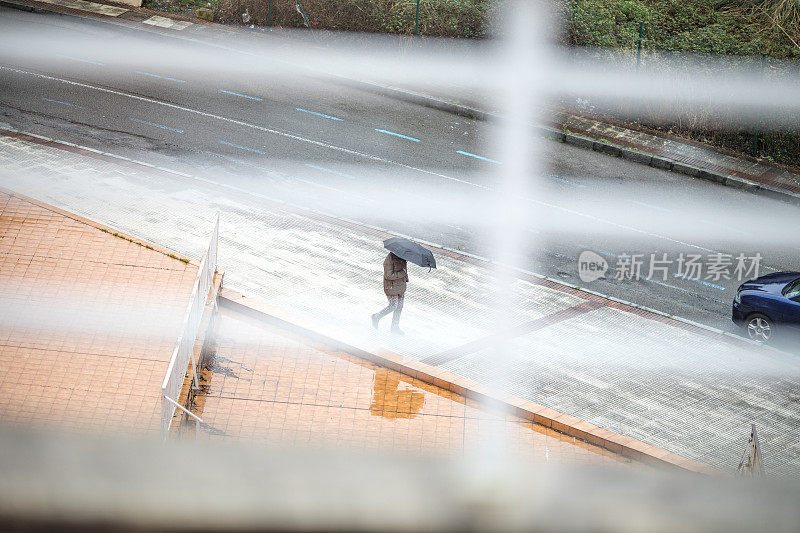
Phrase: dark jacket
(394, 275)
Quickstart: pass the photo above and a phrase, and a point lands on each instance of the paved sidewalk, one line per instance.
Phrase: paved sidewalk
(668, 384)
(75, 306)
(693, 154)
(266, 385)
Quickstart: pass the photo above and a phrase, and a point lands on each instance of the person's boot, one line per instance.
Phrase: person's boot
(375, 319)
(397, 331)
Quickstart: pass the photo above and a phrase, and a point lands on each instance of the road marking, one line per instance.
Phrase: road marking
(598, 250)
(651, 206)
(159, 76)
(340, 191)
(354, 152)
(454, 227)
(323, 169)
(567, 181)
(318, 114)
(398, 135)
(81, 60)
(63, 103)
(694, 293)
(164, 22)
(478, 157)
(156, 125)
(242, 95)
(722, 226)
(707, 284)
(240, 147)
(248, 125)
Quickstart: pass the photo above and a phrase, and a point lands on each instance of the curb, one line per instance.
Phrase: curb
(589, 143)
(538, 414)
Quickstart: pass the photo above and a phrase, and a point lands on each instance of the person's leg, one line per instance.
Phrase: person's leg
(385, 311)
(398, 309)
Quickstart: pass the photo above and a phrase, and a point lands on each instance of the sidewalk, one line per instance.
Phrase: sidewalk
(267, 385)
(70, 291)
(88, 327)
(668, 152)
(689, 390)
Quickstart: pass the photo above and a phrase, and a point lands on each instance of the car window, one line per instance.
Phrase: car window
(792, 290)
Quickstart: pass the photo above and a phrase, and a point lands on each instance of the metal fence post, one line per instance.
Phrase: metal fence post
(416, 22)
(269, 14)
(639, 47)
(305, 19)
(758, 113)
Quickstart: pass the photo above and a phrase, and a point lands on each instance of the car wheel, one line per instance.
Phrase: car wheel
(760, 328)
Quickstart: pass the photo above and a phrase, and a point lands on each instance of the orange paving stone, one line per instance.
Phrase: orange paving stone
(267, 385)
(74, 375)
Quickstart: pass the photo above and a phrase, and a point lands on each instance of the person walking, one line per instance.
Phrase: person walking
(395, 277)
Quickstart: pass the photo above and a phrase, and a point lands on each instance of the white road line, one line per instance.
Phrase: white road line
(244, 124)
(356, 153)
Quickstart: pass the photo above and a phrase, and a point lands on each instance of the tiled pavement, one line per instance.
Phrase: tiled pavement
(87, 370)
(689, 393)
(267, 385)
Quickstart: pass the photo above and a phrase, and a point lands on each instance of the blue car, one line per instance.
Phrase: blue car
(767, 304)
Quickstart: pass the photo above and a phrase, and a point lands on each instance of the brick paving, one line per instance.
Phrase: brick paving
(70, 373)
(267, 385)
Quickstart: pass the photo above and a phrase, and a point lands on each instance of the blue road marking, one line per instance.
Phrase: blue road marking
(478, 157)
(318, 114)
(82, 60)
(63, 103)
(240, 147)
(156, 125)
(651, 206)
(720, 226)
(562, 180)
(328, 170)
(159, 76)
(398, 135)
(598, 250)
(242, 95)
(700, 281)
(670, 286)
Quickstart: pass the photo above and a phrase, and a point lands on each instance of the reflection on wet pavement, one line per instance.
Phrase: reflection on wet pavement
(267, 385)
(393, 399)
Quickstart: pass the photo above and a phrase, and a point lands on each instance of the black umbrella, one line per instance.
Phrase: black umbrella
(410, 251)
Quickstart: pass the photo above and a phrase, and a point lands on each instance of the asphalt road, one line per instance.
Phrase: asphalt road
(406, 168)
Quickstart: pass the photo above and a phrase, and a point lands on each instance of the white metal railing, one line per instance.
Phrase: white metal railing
(751, 463)
(184, 347)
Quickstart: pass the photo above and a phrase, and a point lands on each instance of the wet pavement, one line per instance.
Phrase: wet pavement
(74, 347)
(268, 385)
(679, 388)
